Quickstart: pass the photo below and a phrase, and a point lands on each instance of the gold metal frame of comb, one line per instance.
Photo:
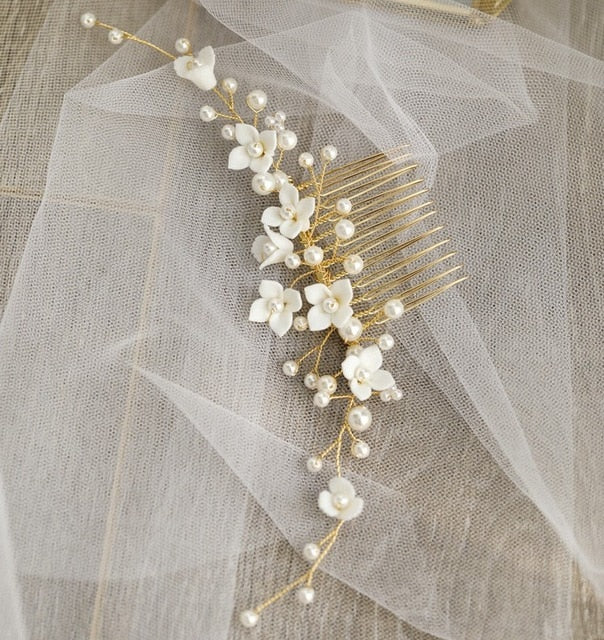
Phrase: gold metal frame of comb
(352, 238)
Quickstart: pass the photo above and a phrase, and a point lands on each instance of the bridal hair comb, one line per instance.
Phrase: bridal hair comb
(355, 238)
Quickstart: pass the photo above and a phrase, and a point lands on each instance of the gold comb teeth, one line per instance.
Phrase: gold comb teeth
(359, 240)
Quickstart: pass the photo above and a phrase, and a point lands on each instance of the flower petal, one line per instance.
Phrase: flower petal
(206, 56)
(341, 316)
(271, 216)
(342, 291)
(239, 158)
(305, 208)
(316, 293)
(258, 246)
(360, 389)
(371, 358)
(280, 241)
(181, 66)
(326, 505)
(352, 510)
(381, 379)
(292, 300)
(273, 258)
(349, 367)
(245, 133)
(290, 228)
(270, 289)
(203, 77)
(261, 164)
(259, 311)
(269, 141)
(281, 322)
(318, 319)
(288, 196)
(343, 486)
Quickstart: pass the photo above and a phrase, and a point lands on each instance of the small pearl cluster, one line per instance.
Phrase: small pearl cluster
(326, 386)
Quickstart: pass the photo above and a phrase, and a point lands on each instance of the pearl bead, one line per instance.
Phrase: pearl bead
(263, 183)
(344, 229)
(182, 45)
(359, 418)
(280, 116)
(229, 85)
(310, 380)
(88, 20)
(314, 464)
(344, 206)
(207, 113)
(276, 305)
(305, 160)
(300, 323)
(330, 305)
(353, 264)
(311, 551)
(328, 384)
(396, 394)
(254, 149)
(269, 122)
(256, 100)
(313, 255)
(385, 395)
(305, 595)
(340, 501)
(292, 261)
(115, 36)
(228, 132)
(394, 309)
(352, 330)
(280, 179)
(329, 153)
(249, 618)
(360, 449)
(287, 140)
(290, 368)
(354, 350)
(385, 342)
(321, 399)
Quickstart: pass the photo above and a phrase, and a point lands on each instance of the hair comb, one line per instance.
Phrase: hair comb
(358, 252)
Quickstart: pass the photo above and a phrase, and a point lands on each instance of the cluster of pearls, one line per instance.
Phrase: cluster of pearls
(392, 394)
(326, 386)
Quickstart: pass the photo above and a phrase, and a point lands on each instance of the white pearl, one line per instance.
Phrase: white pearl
(306, 160)
(353, 264)
(300, 323)
(344, 229)
(287, 140)
(280, 116)
(328, 384)
(314, 464)
(278, 127)
(249, 618)
(344, 206)
(385, 342)
(292, 261)
(276, 305)
(228, 132)
(256, 100)
(385, 395)
(88, 20)
(313, 255)
(340, 501)
(182, 45)
(311, 551)
(280, 179)
(359, 418)
(352, 330)
(115, 36)
(396, 394)
(354, 350)
(321, 399)
(290, 368)
(254, 149)
(310, 380)
(263, 183)
(329, 153)
(269, 122)
(229, 85)
(330, 305)
(360, 449)
(207, 113)
(305, 595)
(394, 309)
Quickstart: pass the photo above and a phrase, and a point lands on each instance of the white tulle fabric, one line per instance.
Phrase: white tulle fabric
(153, 481)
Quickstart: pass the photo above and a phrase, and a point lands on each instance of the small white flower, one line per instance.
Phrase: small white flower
(271, 248)
(340, 501)
(275, 306)
(198, 69)
(364, 374)
(331, 304)
(293, 216)
(256, 150)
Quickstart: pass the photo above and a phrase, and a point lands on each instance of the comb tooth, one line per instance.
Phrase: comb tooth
(375, 213)
(429, 281)
(428, 296)
(374, 166)
(378, 226)
(388, 253)
(367, 160)
(385, 195)
(367, 186)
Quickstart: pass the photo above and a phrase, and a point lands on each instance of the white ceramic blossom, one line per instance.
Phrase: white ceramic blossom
(198, 69)
(271, 248)
(331, 305)
(364, 374)
(340, 501)
(275, 306)
(256, 150)
(293, 216)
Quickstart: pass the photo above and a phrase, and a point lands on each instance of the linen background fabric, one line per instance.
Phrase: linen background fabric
(152, 477)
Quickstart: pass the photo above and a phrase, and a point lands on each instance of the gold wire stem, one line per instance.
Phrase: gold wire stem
(325, 551)
(327, 537)
(230, 104)
(280, 594)
(297, 279)
(131, 36)
(321, 346)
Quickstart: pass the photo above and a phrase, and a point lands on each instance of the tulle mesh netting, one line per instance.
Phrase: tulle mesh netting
(152, 453)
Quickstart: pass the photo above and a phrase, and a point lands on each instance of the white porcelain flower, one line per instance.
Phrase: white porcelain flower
(293, 216)
(198, 69)
(340, 501)
(364, 374)
(256, 150)
(275, 306)
(271, 248)
(331, 304)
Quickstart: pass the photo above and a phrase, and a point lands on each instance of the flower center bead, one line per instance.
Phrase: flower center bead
(330, 305)
(362, 375)
(255, 149)
(288, 213)
(275, 305)
(340, 501)
(269, 248)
